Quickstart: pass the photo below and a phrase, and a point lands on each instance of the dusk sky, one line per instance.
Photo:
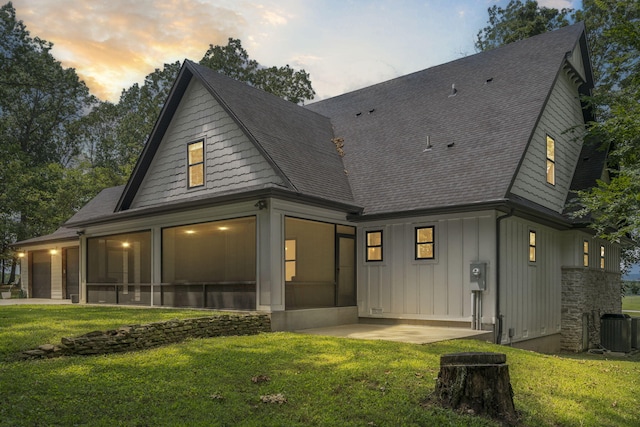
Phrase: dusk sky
(343, 44)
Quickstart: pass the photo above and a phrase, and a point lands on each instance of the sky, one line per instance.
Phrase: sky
(343, 44)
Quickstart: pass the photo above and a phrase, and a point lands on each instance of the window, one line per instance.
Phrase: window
(602, 257)
(424, 243)
(551, 160)
(585, 253)
(532, 246)
(374, 246)
(196, 164)
(289, 259)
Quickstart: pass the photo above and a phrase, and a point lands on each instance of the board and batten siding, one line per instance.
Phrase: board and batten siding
(562, 120)
(232, 162)
(402, 287)
(530, 292)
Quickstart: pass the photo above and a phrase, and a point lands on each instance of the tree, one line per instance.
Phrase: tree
(39, 103)
(518, 21)
(233, 61)
(614, 204)
(113, 135)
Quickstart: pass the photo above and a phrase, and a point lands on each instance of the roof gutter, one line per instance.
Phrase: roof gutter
(469, 207)
(30, 242)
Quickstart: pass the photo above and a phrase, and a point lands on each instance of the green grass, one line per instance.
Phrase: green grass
(326, 381)
(631, 302)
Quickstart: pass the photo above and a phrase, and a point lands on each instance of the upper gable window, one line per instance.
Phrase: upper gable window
(551, 160)
(195, 152)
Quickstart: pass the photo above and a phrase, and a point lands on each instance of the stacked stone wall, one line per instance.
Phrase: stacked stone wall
(587, 294)
(138, 337)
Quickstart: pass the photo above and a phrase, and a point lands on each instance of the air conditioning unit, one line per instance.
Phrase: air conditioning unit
(635, 332)
(615, 332)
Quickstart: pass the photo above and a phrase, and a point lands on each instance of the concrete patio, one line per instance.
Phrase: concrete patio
(415, 334)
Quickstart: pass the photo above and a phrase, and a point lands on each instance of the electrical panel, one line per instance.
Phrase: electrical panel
(478, 276)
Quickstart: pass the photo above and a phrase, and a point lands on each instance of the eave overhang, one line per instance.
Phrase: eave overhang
(224, 199)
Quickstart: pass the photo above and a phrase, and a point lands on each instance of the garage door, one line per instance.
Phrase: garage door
(40, 274)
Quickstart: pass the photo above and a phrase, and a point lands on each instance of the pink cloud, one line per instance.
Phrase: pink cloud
(113, 44)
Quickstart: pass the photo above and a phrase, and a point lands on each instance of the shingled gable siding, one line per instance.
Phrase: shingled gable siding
(232, 162)
(562, 113)
(436, 290)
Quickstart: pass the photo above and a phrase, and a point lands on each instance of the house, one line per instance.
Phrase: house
(440, 197)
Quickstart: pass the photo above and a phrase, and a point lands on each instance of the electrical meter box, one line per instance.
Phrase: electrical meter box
(478, 276)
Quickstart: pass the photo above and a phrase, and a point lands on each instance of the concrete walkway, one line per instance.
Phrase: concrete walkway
(415, 334)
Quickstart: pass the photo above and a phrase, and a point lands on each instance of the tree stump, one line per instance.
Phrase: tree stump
(477, 383)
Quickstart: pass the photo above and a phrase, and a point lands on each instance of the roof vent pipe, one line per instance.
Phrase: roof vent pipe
(454, 91)
(429, 146)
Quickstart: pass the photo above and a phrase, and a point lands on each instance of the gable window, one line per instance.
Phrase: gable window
(289, 259)
(532, 246)
(374, 245)
(585, 253)
(551, 160)
(424, 243)
(195, 152)
(602, 257)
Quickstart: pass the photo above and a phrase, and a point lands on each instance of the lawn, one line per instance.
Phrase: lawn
(631, 302)
(319, 381)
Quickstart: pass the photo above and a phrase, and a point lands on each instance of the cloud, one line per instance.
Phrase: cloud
(113, 43)
(273, 18)
(558, 4)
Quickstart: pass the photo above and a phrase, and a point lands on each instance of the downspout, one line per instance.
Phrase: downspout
(498, 337)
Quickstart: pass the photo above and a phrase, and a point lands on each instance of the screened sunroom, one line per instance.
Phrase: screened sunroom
(214, 265)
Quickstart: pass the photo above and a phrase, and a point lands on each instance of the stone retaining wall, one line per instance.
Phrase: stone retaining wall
(137, 337)
(587, 294)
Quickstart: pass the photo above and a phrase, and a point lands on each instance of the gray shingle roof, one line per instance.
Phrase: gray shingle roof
(478, 136)
(102, 205)
(451, 135)
(61, 234)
